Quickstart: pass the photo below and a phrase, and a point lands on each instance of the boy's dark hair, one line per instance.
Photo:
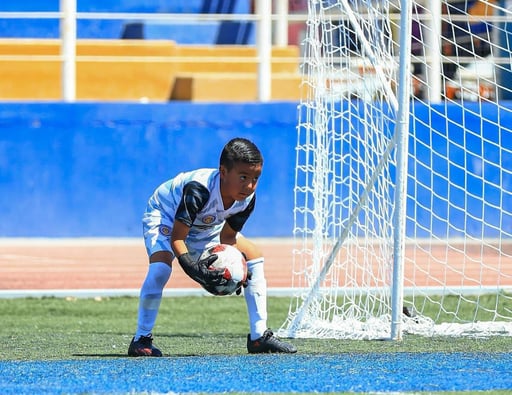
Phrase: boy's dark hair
(240, 150)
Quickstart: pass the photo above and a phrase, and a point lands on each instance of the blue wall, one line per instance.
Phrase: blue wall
(472, 189)
(87, 169)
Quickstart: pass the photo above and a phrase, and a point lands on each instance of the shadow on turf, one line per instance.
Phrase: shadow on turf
(163, 335)
(100, 355)
(174, 334)
(126, 356)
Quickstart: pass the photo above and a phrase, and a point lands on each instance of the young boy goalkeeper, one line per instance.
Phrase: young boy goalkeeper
(191, 212)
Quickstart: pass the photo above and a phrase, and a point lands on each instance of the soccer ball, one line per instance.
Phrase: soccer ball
(232, 260)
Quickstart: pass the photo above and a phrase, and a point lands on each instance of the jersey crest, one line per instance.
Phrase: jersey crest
(208, 219)
(164, 230)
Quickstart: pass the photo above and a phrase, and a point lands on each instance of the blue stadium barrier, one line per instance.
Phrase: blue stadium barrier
(49, 28)
(213, 33)
(482, 190)
(183, 33)
(30, 6)
(29, 28)
(222, 32)
(87, 169)
(146, 6)
(241, 33)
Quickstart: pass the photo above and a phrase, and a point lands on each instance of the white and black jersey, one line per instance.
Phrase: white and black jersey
(193, 198)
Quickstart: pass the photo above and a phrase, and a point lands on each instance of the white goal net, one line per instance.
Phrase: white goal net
(403, 194)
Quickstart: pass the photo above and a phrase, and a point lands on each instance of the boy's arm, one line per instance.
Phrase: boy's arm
(178, 236)
(237, 221)
(228, 235)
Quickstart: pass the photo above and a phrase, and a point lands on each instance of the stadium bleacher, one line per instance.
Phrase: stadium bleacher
(152, 60)
(131, 72)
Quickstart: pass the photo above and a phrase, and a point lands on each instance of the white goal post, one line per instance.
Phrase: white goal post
(403, 192)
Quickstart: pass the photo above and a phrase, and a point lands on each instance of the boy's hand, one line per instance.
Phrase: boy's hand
(200, 271)
(212, 276)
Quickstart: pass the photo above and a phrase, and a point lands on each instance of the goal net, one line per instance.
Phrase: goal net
(403, 193)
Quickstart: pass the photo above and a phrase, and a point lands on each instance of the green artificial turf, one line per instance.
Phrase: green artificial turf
(55, 328)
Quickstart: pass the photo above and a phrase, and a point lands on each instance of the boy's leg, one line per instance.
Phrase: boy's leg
(151, 297)
(149, 302)
(260, 339)
(256, 298)
(158, 248)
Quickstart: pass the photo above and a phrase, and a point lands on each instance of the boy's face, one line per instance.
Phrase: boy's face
(240, 181)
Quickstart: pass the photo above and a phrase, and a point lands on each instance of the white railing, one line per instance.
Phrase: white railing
(267, 22)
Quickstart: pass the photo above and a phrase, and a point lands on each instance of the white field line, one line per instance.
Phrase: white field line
(100, 241)
(105, 293)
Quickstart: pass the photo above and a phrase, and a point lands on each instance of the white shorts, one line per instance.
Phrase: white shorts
(157, 237)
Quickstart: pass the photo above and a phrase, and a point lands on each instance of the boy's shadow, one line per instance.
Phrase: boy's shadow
(177, 355)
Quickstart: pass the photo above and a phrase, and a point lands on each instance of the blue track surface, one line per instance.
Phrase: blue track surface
(262, 373)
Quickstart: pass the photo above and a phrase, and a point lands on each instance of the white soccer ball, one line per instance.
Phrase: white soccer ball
(232, 260)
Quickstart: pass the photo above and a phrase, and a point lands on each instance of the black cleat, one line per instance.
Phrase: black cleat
(268, 343)
(143, 348)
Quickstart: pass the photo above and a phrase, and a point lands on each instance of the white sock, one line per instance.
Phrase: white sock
(256, 298)
(151, 296)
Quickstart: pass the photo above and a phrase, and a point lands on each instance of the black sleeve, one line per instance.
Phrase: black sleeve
(238, 220)
(194, 198)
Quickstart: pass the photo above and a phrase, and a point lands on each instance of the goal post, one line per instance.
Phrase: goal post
(401, 141)
(403, 184)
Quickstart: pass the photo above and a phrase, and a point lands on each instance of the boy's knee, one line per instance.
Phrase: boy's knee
(162, 256)
(250, 250)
